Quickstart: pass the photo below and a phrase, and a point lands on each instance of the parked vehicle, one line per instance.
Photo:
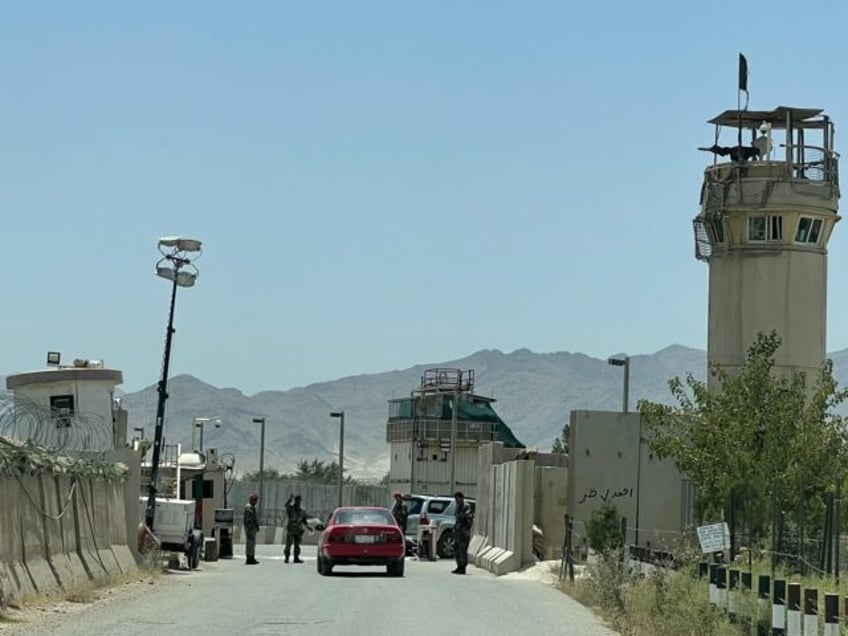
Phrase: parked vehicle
(438, 509)
(173, 527)
(445, 540)
(360, 535)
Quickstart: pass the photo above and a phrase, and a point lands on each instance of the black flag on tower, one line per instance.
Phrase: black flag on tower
(743, 78)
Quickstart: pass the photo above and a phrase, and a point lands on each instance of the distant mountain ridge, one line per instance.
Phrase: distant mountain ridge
(534, 391)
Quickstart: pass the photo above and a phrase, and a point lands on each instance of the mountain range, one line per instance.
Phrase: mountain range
(534, 391)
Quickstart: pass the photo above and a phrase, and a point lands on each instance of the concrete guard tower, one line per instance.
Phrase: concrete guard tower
(766, 217)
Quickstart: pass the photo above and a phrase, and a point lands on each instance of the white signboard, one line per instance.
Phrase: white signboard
(714, 537)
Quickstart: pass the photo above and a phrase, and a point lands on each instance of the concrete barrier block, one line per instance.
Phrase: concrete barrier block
(477, 556)
(14, 582)
(41, 574)
(477, 541)
(505, 563)
(125, 558)
(109, 561)
(67, 577)
(488, 557)
(77, 567)
(266, 535)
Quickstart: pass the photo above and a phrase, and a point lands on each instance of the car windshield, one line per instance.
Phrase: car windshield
(363, 517)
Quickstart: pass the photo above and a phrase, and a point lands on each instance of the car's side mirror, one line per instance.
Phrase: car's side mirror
(320, 526)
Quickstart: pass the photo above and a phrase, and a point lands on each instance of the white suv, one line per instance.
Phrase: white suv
(438, 509)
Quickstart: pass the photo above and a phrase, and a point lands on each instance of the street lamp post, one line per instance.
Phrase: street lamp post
(175, 266)
(340, 415)
(198, 422)
(623, 361)
(261, 420)
(454, 416)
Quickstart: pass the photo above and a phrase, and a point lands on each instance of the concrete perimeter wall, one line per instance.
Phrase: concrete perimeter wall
(610, 464)
(57, 531)
(319, 500)
(550, 506)
(502, 536)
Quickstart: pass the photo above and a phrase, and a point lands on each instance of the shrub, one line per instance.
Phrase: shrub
(604, 530)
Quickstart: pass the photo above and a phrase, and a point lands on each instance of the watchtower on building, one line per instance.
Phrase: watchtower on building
(434, 434)
(768, 207)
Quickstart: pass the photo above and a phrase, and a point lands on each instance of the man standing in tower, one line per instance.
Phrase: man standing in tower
(296, 522)
(462, 532)
(251, 527)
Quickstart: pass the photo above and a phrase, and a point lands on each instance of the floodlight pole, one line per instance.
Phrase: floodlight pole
(261, 420)
(340, 415)
(454, 416)
(177, 248)
(162, 389)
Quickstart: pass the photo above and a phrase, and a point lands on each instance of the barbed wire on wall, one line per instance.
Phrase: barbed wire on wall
(26, 419)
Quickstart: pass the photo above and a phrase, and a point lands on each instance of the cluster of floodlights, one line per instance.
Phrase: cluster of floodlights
(175, 265)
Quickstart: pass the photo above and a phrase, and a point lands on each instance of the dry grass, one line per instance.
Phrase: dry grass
(27, 608)
(672, 603)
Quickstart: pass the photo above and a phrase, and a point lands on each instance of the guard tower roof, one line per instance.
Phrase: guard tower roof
(798, 117)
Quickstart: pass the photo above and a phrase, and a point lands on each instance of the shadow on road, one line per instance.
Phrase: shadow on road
(360, 575)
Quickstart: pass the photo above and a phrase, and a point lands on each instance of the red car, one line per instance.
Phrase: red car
(360, 535)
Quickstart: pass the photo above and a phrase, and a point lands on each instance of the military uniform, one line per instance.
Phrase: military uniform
(251, 527)
(462, 534)
(294, 528)
(400, 513)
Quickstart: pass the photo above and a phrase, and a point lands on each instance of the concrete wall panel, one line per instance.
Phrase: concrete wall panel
(609, 465)
(550, 506)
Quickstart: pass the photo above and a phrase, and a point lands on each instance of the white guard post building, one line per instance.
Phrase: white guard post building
(72, 410)
(68, 408)
(434, 445)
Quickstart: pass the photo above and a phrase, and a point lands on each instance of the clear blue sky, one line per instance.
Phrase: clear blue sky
(377, 184)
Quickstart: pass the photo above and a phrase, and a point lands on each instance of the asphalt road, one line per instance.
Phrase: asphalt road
(228, 597)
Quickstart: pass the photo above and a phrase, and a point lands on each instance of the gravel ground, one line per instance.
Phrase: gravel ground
(41, 612)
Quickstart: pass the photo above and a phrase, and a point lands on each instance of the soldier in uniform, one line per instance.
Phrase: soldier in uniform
(296, 522)
(400, 512)
(462, 532)
(251, 527)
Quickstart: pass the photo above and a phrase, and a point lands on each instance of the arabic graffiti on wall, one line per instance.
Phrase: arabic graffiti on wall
(606, 494)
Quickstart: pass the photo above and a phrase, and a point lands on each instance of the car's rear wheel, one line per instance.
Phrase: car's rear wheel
(395, 568)
(325, 566)
(446, 547)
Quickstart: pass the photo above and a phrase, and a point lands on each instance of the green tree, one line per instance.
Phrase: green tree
(763, 440)
(271, 474)
(561, 443)
(319, 471)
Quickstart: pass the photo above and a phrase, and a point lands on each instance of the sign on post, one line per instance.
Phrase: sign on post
(714, 537)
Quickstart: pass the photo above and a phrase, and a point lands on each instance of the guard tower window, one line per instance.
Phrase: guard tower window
(809, 230)
(716, 229)
(765, 228)
(62, 410)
